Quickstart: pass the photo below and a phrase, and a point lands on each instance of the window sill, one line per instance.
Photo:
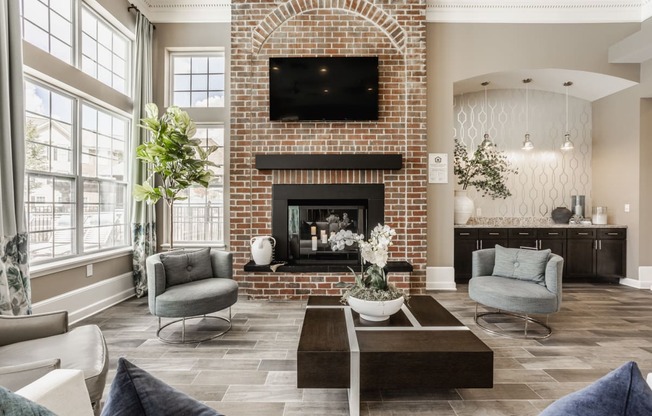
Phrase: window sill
(45, 269)
(212, 244)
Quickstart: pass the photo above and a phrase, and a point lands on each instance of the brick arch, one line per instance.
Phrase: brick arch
(363, 8)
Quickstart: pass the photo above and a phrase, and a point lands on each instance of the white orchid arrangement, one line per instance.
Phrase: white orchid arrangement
(371, 283)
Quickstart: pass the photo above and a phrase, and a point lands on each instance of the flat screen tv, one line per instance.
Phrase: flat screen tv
(323, 89)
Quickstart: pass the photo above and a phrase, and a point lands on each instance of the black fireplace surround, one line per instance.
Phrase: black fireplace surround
(365, 204)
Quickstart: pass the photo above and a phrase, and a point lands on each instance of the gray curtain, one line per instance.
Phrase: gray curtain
(15, 293)
(143, 216)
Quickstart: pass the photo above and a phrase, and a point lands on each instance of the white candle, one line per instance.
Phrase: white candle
(324, 237)
(314, 243)
(578, 210)
(313, 230)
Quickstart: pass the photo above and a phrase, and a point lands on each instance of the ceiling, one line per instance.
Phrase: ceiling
(478, 11)
(588, 86)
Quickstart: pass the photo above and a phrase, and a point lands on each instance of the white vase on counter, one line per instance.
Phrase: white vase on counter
(262, 249)
(463, 208)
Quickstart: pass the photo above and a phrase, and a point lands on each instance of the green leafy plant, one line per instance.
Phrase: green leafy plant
(179, 160)
(486, 169)
(371, 283)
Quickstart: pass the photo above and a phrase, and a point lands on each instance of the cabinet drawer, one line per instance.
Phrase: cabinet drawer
(612, 233)
(464, 233)
(522, 232)
(493, 233)
(551, 233)
(580, 233)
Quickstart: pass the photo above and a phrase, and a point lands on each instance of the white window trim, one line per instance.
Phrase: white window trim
(188, 51)
(44, 269)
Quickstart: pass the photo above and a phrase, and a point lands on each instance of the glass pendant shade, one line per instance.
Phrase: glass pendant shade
(527, 143)
(567, 145)
(486, 142)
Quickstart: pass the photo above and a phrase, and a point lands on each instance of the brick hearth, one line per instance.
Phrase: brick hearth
(392, 30)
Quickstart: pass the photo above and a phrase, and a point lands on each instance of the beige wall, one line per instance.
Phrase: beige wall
(460, 51)
(645, 184)
(38, 61)
(616, 172)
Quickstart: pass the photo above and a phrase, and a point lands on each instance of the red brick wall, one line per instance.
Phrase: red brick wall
(392, 30)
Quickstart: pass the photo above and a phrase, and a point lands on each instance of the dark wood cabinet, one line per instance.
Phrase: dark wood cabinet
(467, 240)
(589, 253)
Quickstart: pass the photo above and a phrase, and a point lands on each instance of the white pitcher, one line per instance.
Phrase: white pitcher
(262, 249)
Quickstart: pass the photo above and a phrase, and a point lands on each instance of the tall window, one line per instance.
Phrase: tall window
(71, 212)
(105, 51)
(197, 80)
(200, 217)
(47, 24)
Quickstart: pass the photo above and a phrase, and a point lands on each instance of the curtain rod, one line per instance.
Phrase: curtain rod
(132, 7)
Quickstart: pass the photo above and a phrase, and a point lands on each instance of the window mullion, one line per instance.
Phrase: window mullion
(79, 181)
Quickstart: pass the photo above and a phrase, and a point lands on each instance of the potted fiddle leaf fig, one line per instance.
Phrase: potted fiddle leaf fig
(179, 160)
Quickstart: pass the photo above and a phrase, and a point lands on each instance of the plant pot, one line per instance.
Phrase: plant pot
(463, 208)
(375, 310)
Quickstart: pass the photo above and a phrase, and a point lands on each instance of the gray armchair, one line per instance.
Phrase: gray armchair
(33, 345)
(515, 297)
(188, 285)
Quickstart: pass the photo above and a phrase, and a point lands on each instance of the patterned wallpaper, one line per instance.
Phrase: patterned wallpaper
(547, 176)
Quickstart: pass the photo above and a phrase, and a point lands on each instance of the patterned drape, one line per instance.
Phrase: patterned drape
(15, 293)
(143, 220)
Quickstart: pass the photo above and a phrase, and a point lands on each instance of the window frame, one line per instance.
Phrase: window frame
(196, 53)
(78, 250)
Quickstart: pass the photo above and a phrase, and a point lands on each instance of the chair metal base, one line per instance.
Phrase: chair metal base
(547, 330)
(192, 340)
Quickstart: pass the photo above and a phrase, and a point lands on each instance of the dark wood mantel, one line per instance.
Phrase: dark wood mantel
(346, 161)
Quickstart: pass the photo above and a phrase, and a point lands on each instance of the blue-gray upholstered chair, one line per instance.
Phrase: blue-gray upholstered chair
(191, 284)
(515, 297)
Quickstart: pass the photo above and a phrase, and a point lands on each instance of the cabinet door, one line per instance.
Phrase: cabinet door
(489, 237)
(580, 253)
(554, 239)
(523, 238)
(466, 242)
(611, 252)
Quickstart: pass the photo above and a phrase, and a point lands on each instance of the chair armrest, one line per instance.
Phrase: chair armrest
(16, 376)
(156, 280)
(222, 262)
(25, 327)
(482, 262)
(553, 276)
(60, 391)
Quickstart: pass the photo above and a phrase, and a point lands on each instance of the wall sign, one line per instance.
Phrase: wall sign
(437, 168)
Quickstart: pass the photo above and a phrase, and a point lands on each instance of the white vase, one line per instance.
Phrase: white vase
(463, 208)
(375, 310)
(262, 249)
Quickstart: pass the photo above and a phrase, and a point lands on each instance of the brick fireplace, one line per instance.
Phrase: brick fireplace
(394, 31)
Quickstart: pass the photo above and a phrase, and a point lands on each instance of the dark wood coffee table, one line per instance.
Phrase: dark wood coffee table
(421, 346)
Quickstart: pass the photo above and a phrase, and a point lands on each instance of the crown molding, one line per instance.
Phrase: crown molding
(445, 11)
(185, 11)
(537, 11)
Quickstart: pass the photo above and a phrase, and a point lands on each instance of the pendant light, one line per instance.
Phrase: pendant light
(567, 145)
(486, 142)
(527, 144)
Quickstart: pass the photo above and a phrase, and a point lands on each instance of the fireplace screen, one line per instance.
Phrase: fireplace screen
(310, 226)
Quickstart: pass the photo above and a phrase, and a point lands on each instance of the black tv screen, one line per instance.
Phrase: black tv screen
(328, 89)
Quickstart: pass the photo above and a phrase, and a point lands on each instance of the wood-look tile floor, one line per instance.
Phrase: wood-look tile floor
(251, 370)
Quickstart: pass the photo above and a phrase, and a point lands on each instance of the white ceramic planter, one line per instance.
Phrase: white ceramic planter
(373, 310)
(262, 249)
(463, 208)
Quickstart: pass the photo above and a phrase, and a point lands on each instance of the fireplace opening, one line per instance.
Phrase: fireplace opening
(305, 216)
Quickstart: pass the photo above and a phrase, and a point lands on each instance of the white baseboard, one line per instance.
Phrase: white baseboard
(86, 301)
(440, 278)
(644, 280)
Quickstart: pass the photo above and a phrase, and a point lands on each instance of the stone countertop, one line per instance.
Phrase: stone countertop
(542, 226)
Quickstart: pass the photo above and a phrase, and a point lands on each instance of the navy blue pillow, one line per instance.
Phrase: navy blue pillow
(135, 392)
(623, 392)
